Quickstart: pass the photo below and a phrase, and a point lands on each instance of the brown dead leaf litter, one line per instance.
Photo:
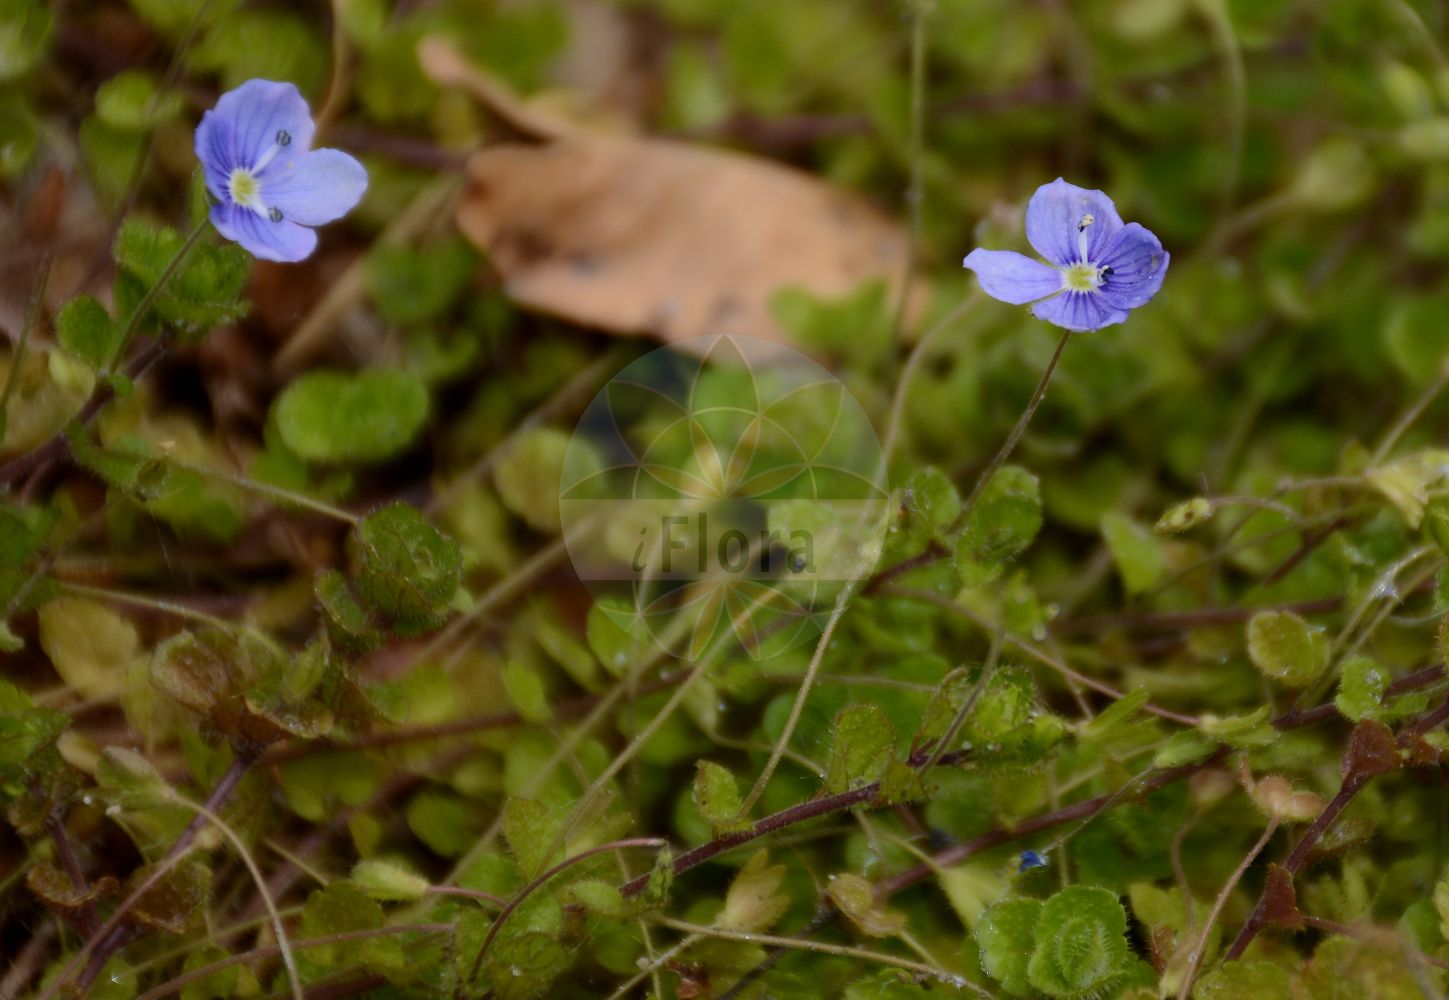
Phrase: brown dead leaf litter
(638, 235)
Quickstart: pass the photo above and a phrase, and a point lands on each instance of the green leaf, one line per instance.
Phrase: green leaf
(1420, 923)
(209, 672)
(194, 671)
(130, 781)
(25, 29)
(971, 888)
(717, 797)
(1436, 522)
(529, 826)
(1184, 747)
(618, 634)
(754, 901)
(528, 476)
(1135, 551)
(526, 691)
(1245, 981)
(348, 623)
(85, 329)
(1407, 482)
(524, 966)
(1286, 648)
(564, 647)
(885, 985)
(407, 570)
(1441, 903)
(390, 85)
(929, 508)
(207, 288)
(342, 908)
(1006, 936)
(446, 822)
(596, 895)
(1081, 943)
(1351, 967)
(864, 743)
(947, 701)
(196, 506)
(1007, 701)
(317, 785)
(27, 736)
(1007, 727)
(854, 895)
(19, 137)
(174, 17)
(411, 285)
(111, 157)
(335, 417)
(128, 466)
(225, 982)
(132, 100)
(1361, 687)
(268, 44)
(386, 881)
(655, 893)
(1415, 339)
(23, 530)
(855, 326)
(90, 646)
(294, 695)
(1241, 732)
(1005, 519)
(1184, 516)
(174, 904)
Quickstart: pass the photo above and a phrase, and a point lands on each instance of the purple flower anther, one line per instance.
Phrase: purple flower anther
(1099, 269)
(268, 185)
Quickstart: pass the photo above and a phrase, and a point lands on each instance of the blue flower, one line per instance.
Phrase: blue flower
(270, 187)
(1099, 269)
(1030, 860)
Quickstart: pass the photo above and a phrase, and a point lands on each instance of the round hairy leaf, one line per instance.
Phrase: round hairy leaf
(1081, 943)
(1006, 936)
(336, 417)
(1286, 648)
(86, 330)
(1001, 525)
(406, 569)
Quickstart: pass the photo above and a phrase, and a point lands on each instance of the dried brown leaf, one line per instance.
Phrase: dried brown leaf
(652, 236)
(1280, 899)
(1371, 751)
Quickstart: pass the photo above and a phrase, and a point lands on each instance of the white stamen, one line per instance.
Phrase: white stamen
(268, 156)
(1087, 220)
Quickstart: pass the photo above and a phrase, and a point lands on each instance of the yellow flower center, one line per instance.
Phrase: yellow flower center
(1081, 278)
(244, 189)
